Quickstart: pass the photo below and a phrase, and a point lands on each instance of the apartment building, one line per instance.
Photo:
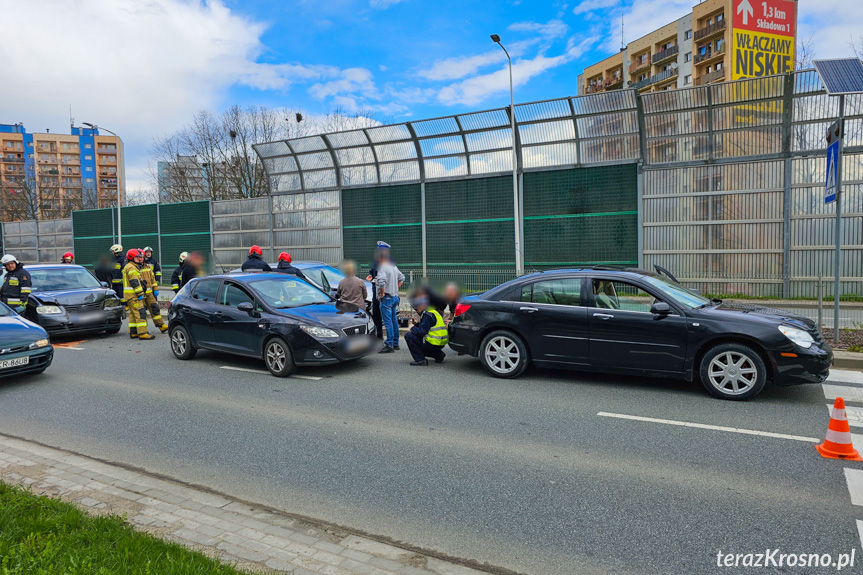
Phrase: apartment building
(718, 41)
(46, 176)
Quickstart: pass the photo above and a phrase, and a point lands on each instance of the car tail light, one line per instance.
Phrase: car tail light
(460, 309)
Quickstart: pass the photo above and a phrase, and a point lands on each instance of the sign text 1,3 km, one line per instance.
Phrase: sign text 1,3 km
(764, 34)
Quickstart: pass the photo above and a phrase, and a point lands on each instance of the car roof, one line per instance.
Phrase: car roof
(622, 271)
(52, 266)
(246, 277)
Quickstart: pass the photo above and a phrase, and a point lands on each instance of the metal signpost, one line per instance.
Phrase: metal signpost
(840, 78)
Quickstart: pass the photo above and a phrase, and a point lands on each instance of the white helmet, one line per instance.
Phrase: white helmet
(8, 258)
(116, 249)
(183, 256)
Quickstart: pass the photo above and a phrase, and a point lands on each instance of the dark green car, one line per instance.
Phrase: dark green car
(24, 346)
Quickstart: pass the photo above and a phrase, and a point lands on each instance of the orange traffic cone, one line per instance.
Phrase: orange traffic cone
(838, 445)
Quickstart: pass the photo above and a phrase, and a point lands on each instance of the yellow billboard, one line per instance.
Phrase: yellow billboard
(763, 38)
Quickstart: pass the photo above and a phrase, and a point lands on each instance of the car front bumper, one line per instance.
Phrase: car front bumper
(72, 322)
(809, 366)
(318, 352)
(39, 360)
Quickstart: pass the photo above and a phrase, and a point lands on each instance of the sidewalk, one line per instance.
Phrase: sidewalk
(254, 538)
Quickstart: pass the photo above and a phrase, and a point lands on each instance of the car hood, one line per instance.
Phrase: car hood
(16, 331)
(329, 314)
(756, 312)
(73, 297)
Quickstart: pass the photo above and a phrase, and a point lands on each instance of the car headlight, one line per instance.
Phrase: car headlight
(371, 324)
(315, 331)
(112, 302)
(798, 336)
(39, 343)
(48, 309)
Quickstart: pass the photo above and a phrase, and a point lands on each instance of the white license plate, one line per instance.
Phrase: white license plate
(18, 361)
(87, 317)
(357, 345)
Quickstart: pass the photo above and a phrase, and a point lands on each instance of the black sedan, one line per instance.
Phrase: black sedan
(637, 322)
(24, 346)
(281, 319)
(68, 299)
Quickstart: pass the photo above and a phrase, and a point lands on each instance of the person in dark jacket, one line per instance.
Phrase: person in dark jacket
(191, 268)
(104, 270)
(117, 275)
(285, 266)
(153, 263)
(377, 316)
(429, 335)
(16, 286)
(256, 261)
(177, 276)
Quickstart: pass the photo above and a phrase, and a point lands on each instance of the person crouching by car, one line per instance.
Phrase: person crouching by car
(352, 290)
(429, 335)
(286, 267)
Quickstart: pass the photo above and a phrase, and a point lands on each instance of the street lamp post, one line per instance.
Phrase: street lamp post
(121, 197)
(516, 203)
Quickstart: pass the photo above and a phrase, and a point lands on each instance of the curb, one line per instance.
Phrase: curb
(848, 360)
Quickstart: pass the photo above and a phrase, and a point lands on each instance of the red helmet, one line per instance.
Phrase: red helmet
(255, 250)
(285, 257)
(68, 255)
(132, 254)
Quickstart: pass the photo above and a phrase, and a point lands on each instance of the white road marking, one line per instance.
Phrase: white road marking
(711, 427)
(68, 347)
(855, 414)
(845, 392)
(854, 478)
(860, 530)
(248, 370)
(845, 375)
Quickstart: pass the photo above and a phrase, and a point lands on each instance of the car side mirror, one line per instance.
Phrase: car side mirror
(247, 307)
(660, 308)
(103, 284)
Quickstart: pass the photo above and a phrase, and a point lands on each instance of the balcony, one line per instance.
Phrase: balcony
(106, 150)
(660, 78)
(709, 31)
(108, 182)
(640, 65)
(710, 78)
(667, 54)
(12, 160)
(613, 83)
(709, 56)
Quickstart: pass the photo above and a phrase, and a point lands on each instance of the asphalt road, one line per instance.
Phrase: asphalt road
(521, 474)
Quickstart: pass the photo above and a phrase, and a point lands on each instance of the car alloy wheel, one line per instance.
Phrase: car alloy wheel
(733, 373)
(179, 343)
(276, 356)
(502, 355)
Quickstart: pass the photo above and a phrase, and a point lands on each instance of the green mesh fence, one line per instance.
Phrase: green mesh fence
(581, 216)
(140, 227)
(391, 214)
(185, 228)
(94, 235)
(470, 223)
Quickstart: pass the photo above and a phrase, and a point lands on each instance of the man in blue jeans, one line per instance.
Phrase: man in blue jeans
(387, 283)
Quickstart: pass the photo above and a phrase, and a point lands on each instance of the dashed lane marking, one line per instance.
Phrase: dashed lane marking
(249, 370)
(845, 376)
(68, 347)
(854, 479)
(855, 414)
(710, 427)
(845, 392)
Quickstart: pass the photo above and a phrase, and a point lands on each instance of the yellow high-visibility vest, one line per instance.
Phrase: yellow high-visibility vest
(438, 334)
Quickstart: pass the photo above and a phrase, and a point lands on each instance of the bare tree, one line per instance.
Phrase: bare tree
(213, 157)
(857, 46)
(805, 54)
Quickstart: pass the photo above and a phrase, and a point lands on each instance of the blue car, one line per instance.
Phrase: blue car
(24, 346)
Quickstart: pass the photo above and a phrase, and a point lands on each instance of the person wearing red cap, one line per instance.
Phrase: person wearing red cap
(256, 261)
(133, 295)
(68, 258)
(286, 267)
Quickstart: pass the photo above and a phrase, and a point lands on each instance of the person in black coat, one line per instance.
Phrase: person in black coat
(256, 261)
(285, 266)
(177, 276)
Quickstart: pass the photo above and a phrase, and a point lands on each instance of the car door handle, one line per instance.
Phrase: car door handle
(528, 309)
(603, 315)
(218, 315)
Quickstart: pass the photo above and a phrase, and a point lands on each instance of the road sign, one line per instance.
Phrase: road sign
(830, 187)
(764, 33)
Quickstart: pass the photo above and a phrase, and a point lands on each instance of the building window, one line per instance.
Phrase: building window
(720, 45)
(718, 66)
(89, 180)
(88, 169)
(687, 57)
(687, 35)
(687, 80)
(88, 157)
(88, 146)
(720, 18)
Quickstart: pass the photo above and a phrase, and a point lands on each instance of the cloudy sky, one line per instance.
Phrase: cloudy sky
(142, 67)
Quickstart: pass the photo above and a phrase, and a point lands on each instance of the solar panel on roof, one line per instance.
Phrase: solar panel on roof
(841, 76)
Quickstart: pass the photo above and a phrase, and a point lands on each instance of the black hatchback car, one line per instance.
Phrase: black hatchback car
(637, 322)
(281, 319)
(68, 299)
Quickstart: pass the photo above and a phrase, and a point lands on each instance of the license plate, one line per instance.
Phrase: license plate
(87, 317)
(18, 361)
(356, 345)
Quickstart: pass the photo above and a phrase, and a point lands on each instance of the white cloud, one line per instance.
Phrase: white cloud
(590, 5)
(551, 29)
(831, 35)
(350, 80)
(463, 66)
(138, 67)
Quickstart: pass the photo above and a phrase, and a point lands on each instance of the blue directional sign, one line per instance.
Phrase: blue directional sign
(832, 172)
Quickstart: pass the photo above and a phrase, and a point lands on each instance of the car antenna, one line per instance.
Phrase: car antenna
(530, 265)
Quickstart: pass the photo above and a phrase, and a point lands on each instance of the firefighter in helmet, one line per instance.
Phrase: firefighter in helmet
(16, 286)
(177, 276)
(133, 290)
(151, 293)
(154, 264)
(117, 276)
(68, 258)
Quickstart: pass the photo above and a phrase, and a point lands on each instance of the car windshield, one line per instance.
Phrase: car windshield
(287, 292)
(5, 310)
(682, 295)
(59, 279)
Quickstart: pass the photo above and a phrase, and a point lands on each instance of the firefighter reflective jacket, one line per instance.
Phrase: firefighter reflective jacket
(16, 287)
(148, 276)
(176, 278)
(133, 286)
(157, 269)
(117, 276)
